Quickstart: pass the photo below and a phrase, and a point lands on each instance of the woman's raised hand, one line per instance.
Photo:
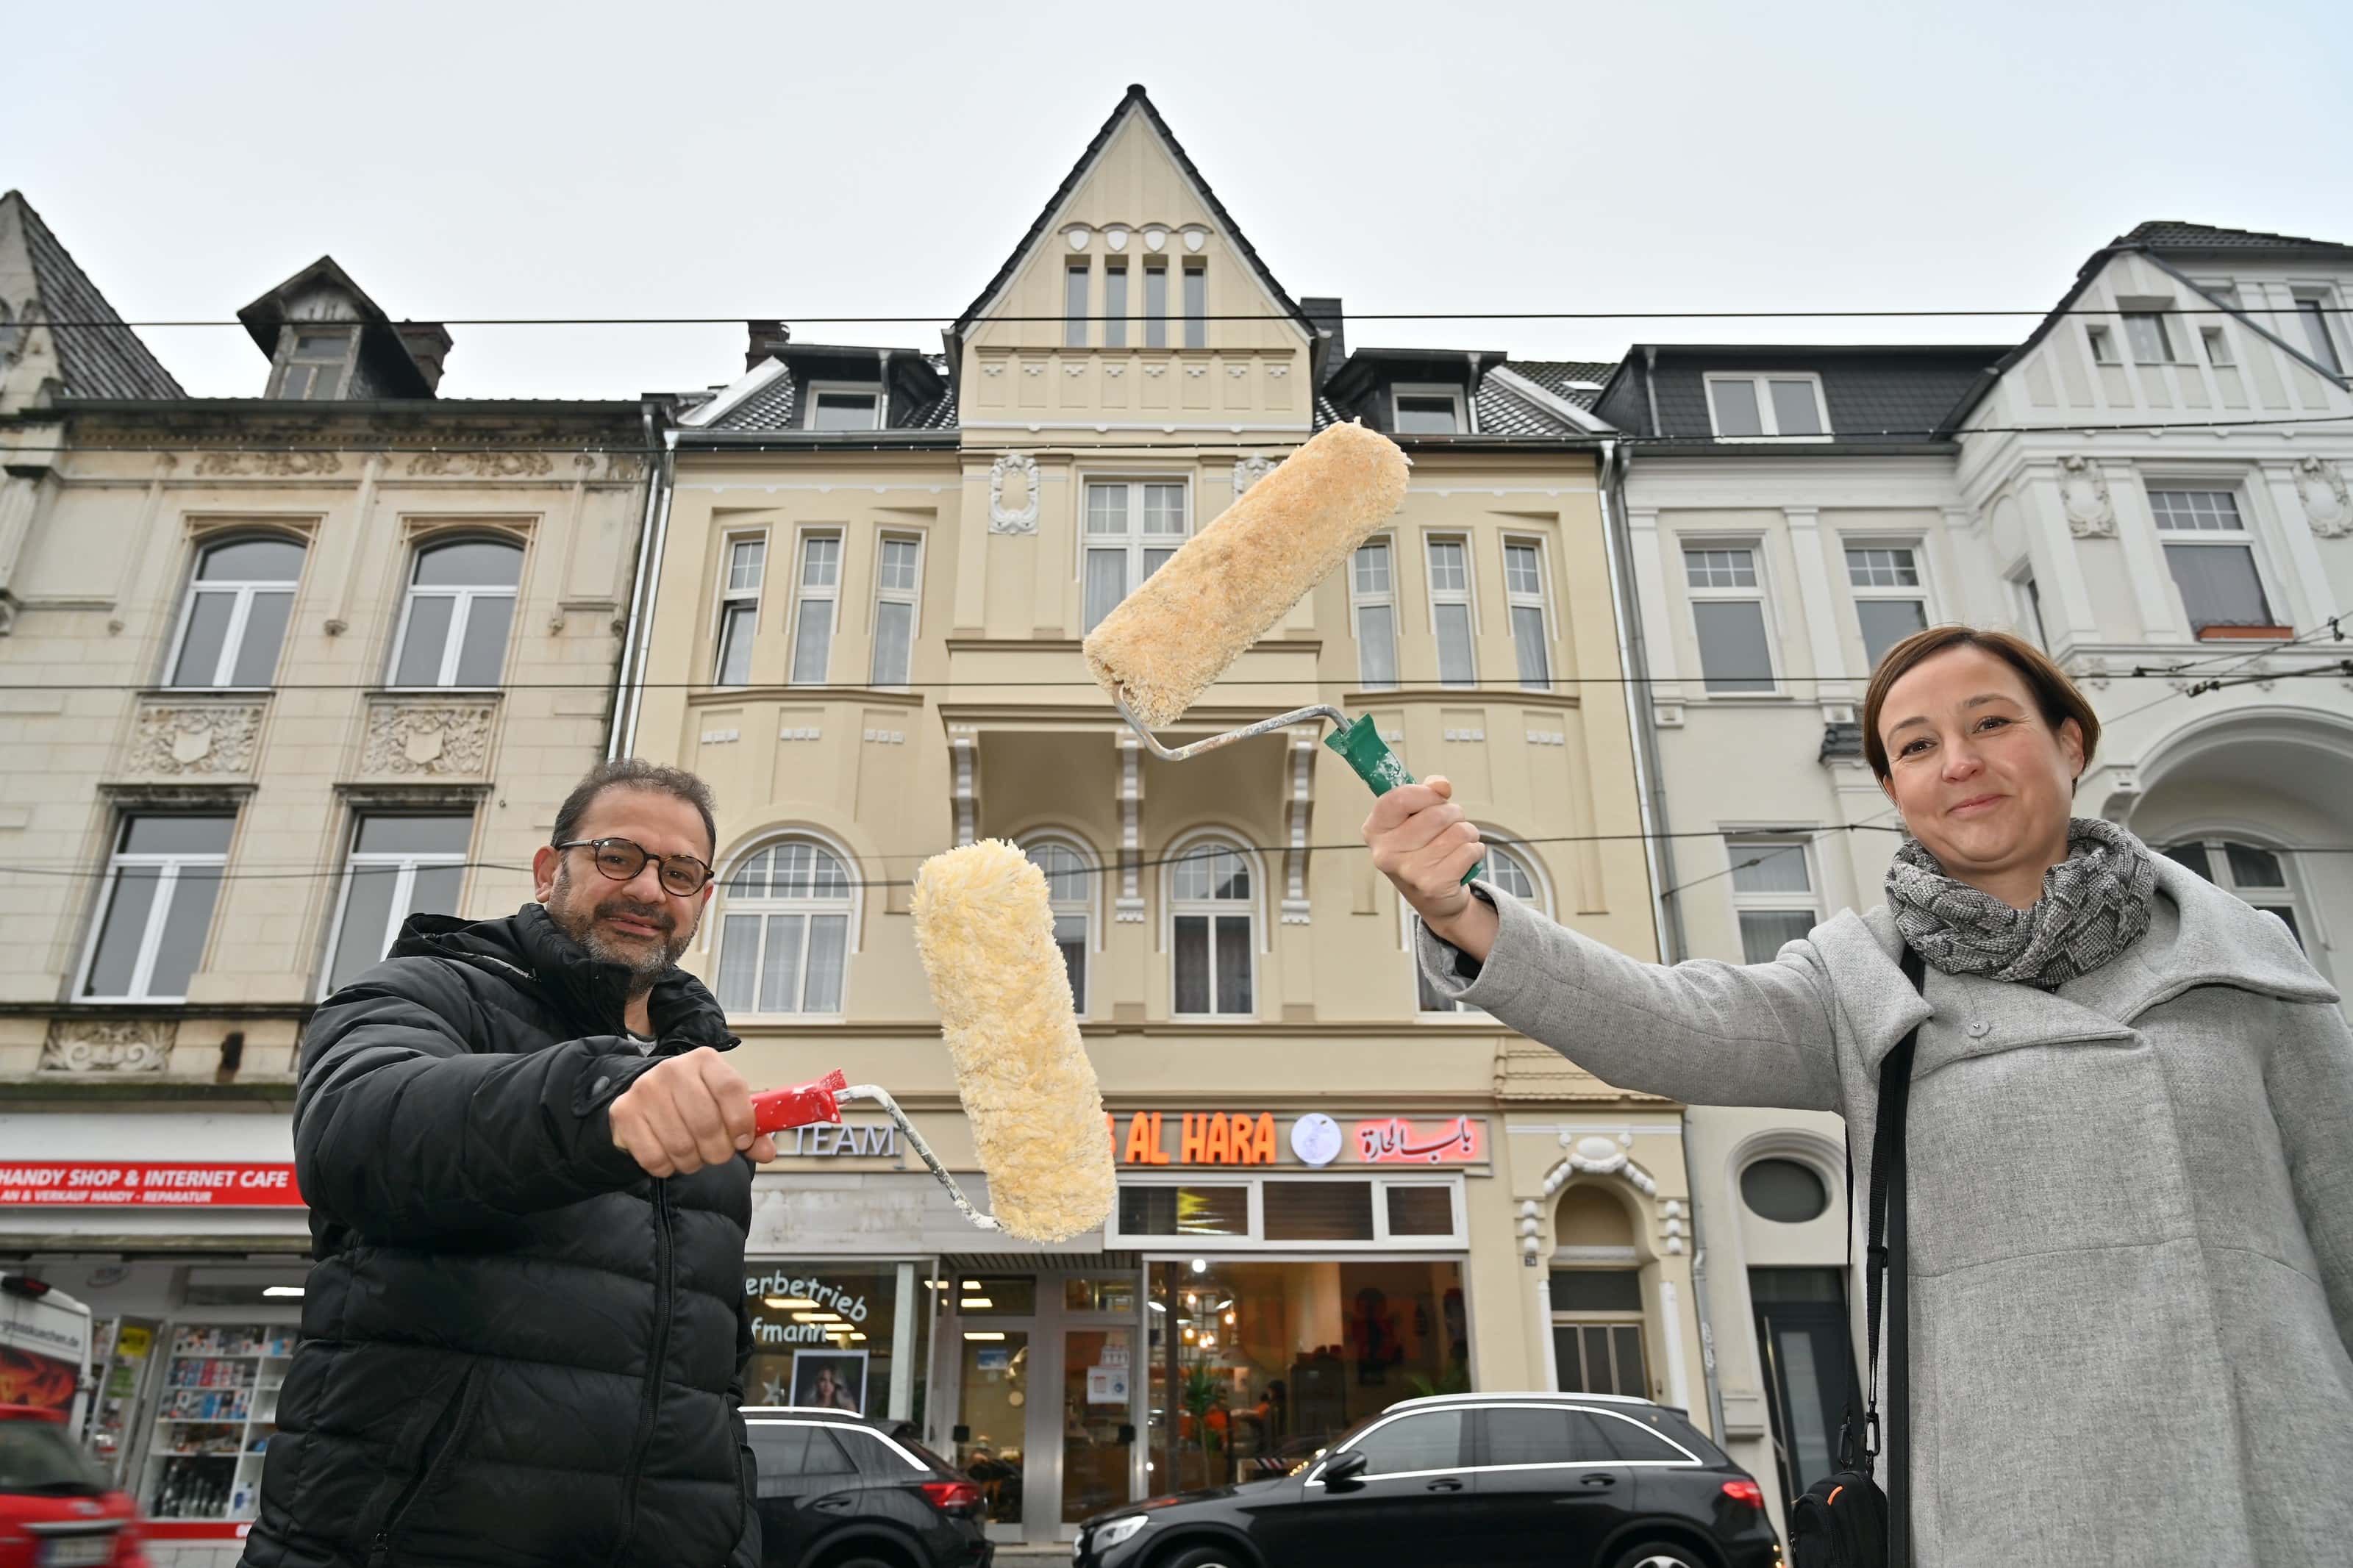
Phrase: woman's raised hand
(1423, 843)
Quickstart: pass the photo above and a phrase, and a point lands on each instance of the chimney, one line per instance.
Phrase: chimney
(767, 340)
(1332, 316)
(428, 343)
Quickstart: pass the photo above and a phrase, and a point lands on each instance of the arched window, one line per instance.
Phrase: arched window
(2258, 875)
(1212, 936)
(462, 600)
(1506, 870)
(233, 621)
(1069, 888)
(784, 941)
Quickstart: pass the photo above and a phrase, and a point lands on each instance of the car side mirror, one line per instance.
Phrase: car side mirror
(1348, 1467)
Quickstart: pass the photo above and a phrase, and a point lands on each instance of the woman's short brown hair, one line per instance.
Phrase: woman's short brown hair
(2054, 694)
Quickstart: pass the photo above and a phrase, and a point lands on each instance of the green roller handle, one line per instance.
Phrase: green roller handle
(1359, 743)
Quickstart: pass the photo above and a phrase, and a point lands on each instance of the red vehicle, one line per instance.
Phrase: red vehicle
(55, 1509)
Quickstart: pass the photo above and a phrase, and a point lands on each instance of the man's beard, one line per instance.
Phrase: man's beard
(578, 919)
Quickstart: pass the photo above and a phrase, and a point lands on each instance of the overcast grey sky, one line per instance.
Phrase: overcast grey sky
(783, 160)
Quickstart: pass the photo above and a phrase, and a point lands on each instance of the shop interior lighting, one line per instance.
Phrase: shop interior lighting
(1200, 1265)
(816, 1317)
(984, 1333)
(282, 1289)
(1157, 1306)
(971, 1302)
(790, 1304)
(1229, 1316)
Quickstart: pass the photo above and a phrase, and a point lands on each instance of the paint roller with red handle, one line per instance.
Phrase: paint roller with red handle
(820, 1099)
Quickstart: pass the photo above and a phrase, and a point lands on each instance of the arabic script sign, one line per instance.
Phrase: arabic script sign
(1398, 1142)
(1252, 1138)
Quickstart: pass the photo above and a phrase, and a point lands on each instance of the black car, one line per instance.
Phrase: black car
(853, 1493)
(1469, 1481)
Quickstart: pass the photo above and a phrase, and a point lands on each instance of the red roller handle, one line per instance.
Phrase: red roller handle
(801, 1105)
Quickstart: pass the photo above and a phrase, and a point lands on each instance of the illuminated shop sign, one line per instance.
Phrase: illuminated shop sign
(1147, 1137)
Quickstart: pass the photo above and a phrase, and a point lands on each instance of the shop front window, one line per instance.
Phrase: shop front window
(825, 1335)
(1256, 1364)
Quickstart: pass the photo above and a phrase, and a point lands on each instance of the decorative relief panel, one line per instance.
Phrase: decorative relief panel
(1020, 516)
(270, 465)
(175, 740)
(2321, 485)
(2084, 490)
(483, 465)
(109, 1045)
(427, 740)
(1247, 471)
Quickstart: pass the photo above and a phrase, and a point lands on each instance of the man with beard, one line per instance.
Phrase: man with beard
(529, 1173)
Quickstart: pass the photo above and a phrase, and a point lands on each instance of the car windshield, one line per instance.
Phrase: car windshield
(36, 1457)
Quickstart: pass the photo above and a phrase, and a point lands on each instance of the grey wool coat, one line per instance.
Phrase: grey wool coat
(2131, 1209)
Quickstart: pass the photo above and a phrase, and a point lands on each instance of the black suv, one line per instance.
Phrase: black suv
(856, 1493)
(1469, 1481)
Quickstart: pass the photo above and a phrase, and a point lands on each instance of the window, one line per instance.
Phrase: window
(1523, 591)
(784, 941)
(1728, 613)
(1773, 894)
(1069, 892)
(2259, 876)
(1372, 599)
(399, 866)
(462, 600)
(1506, 870)
(844, 408)
(2104, 345)
(2313, 311)
(1449, 611)
(233, 621)
(899, 575)
(1155, 304)
(1133, 528)
(1596, 1331)
(1887, 596)
(1212, 939)
(1197, 306)
(1757, 408)
(787, 1450)
(1074, 304)
(1415, 1212)
(2145, 331)
(739, 609)
(1115, 305)
(161, 886)
(820, 586)
(2218, 346)
(1784, 1190)
(2212, 557)
(1412, 1445)
(1426, 410)
(2030, 599)
(315, 364)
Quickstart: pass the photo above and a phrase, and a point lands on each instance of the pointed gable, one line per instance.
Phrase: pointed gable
(90, 353)
(1134, 242)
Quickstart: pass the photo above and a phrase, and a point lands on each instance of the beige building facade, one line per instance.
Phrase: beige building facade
(277, 672)
(871, 578)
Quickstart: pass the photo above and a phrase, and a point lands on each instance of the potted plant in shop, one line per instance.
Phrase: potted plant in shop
(1202, 1392)
(1455, 1379)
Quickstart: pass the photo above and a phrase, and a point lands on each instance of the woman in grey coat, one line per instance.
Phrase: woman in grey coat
(2129, 1148)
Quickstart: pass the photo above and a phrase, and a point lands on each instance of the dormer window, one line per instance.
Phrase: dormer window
(1763, 407)
(844, 407)
(1426, 410)
(315, 364)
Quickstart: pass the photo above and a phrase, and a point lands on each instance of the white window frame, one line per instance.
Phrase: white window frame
(1467, 595)
(732, 597)
(1089, 909)
(290, 358)
(1445, 389)
(2215, 342)
(1762, 592)
(2155, 316)
(768, 904)
(233, 637)
(1539, 600)
(461, 617)
(1197, 327)
(1160, 1248)
(803, 594)
(1203, 842)
(1361, 598)
(1740, 846)
(1114, 317)
(870, 389)
(1409, 923)
(1765, 418)
(1921, 593)
(2246, 536)
(404, 864)
(1135, 541)
(1155, 322)
(168, 868)
(2101, 341)
(2326, 298)
(2026, 601)
(2291, 895)
(1077, 332)
(885, 594)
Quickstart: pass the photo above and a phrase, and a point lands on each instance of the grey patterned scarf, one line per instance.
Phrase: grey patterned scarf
(2094, 904)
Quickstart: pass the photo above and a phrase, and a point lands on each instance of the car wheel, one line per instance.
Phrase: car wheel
(1659, 1555)
(1205, 1557)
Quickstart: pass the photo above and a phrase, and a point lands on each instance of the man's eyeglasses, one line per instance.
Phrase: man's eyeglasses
(619, 859)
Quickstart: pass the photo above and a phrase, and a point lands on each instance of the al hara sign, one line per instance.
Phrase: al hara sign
(150, 1184)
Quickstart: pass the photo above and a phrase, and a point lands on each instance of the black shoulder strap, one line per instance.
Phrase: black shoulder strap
(1889, 1268)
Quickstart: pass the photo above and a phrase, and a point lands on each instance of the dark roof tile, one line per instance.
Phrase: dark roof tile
(106, 361)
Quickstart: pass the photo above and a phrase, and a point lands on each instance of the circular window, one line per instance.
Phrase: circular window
(1785, 1191)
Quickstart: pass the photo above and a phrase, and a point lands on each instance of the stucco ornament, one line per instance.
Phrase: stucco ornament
(1022, 518)
(2321, 485)
(108, 1045)
(2084, 490)
(203, 738)
(427, 740)
(1247, 471)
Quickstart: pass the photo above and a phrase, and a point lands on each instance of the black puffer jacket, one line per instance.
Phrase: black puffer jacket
(518, 1348)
